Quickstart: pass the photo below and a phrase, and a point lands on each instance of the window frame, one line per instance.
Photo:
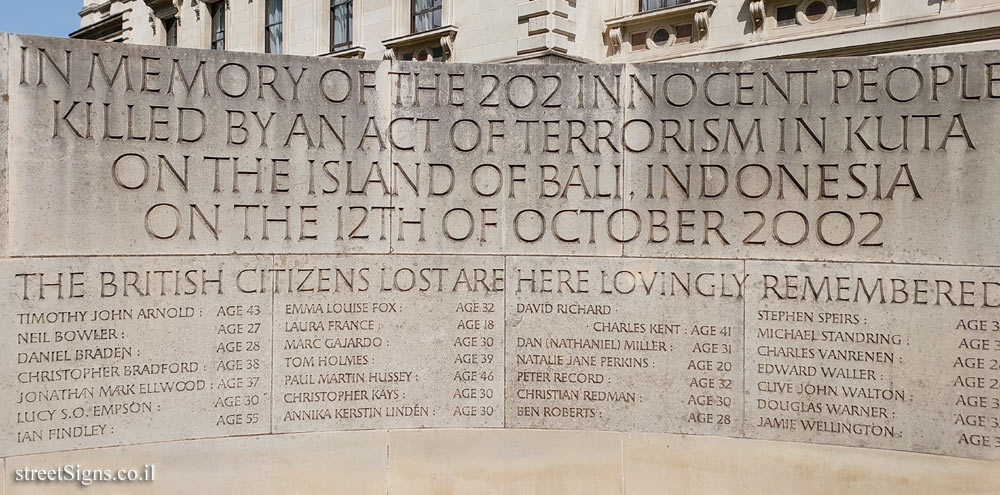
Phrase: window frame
(783, 23)
(678, 3)
(334, 46)
(217, 16)
(280, 25)
(169, 31)
(414, 14)
(841, 12)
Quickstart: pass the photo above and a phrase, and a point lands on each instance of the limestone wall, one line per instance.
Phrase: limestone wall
(418, 278)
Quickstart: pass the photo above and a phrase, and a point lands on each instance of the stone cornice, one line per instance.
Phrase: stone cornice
(94, 7)
(164, 8)
(699, 13)
(350, 52)
(758, 11)
(102, 29)
(444, 35)
(683, 10)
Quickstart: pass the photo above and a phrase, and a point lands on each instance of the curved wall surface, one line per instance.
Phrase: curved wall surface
(398, 277)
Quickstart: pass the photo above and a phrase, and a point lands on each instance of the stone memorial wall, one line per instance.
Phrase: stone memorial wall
(203, 244)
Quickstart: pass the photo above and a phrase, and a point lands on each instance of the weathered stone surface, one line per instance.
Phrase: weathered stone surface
(871, 159)
(112, 351)
(625, 344)
(690, 465)
(891, 356)
(810, 160)
(4, 121)
(523, 248)
(341, 463)
(177, 163)
(389, 342)
(501, 134)
(504, 462)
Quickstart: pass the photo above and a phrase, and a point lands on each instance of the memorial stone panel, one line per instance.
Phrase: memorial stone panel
(153, 151)
(891, 356)
(586, 337)
(208, 244)
(110, 351)
(521, 159)
(834, 159)
(366, 342)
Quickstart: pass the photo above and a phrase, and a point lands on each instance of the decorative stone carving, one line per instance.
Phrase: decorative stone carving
(615, 38)
(448, 44)
(757, 13)
(163, 9)
(443, 36)
(698, 12)
(701, 22)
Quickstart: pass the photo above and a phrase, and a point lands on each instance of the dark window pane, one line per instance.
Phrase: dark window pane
(647, 5)
(847, 7)
(638, 41)
(683, 33)
(426, 15)
(815, 11)
(274, 12)
(218, 13)
(273, 26)
(427, 21)
(274, 41)
(341, 24)
(170, 29)
(437, 53)
(847, 4)
(786, 15)
(421, 5)
(661, 37)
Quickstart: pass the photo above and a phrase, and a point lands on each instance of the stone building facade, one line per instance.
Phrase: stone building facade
(605, 31)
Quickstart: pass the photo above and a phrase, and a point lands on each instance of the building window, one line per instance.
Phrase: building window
(341, 24)
(807, 12)
(426, 15)
(661, 37)
(647, 5)
(815, 11)
(786, 15)
(273, 26)
(218, 13)
(683, 33)
(847, 8)
(435, 54)
(638, 41)
(170, 31)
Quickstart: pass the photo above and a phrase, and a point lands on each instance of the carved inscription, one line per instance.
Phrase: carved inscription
(365, 342)
(109, 351)
(874, 356)
(628, 344)
(780, 160)
(205, 244)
